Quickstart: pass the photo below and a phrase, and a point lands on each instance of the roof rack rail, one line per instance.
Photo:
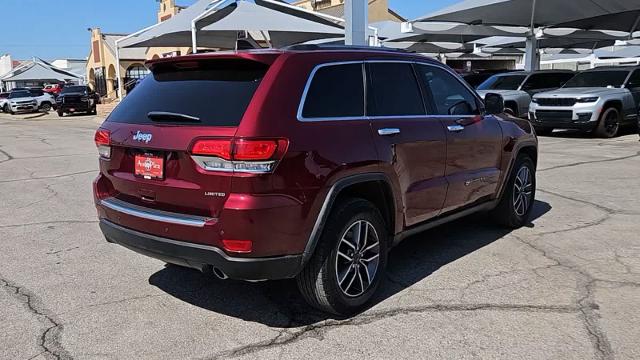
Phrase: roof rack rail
(320, 47)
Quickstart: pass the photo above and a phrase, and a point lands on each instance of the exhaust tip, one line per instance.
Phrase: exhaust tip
(220, 274)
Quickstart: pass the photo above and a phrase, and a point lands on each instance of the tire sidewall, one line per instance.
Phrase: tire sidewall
(337, 226)
(601, 130)
(515, 218)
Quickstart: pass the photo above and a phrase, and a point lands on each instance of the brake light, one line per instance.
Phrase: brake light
(255, 149)
(256, 156)
(102, 139)
(213, 147)
(238, 246)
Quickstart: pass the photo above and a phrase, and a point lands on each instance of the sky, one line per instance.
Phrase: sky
(58, 29)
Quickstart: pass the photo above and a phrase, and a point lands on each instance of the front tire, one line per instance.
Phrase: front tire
(350, 259)
(60, 113)
(516, 204)
(609, 123)
(46, 107)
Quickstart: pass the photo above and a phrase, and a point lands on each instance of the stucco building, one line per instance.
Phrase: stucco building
(101, 62)
(378, 9)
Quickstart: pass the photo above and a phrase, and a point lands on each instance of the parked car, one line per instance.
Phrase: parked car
(74, 99)
(19, 101)
(261, 165)
(46, 101)
(517, 87)
(53, 89)
(475, 78)
(600, 100)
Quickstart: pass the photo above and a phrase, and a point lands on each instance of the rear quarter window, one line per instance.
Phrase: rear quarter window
(335, 91)
(217, 92)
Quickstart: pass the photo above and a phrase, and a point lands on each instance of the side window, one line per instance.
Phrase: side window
(336, 91)
(634, 80)
(394, 90)
(450, 96)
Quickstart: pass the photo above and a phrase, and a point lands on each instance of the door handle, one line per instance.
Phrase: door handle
(455, 128)
(388, 131)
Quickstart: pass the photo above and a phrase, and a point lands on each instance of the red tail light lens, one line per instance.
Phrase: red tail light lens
(102, 137)
(254, 149)
(213, 147)
(103, 142)
(238, 246)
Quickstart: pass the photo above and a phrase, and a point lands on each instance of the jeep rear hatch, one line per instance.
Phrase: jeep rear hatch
(151, 135)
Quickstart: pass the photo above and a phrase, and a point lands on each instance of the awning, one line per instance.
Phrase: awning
(443, 32)
(619, 15)
(38, 70)
(285, 25)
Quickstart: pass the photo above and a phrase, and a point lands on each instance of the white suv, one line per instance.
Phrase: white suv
(27, 101)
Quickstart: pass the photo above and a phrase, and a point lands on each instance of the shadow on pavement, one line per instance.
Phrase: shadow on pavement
(278, 303)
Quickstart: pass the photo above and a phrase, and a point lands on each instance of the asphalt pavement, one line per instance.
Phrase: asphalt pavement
(565, 287)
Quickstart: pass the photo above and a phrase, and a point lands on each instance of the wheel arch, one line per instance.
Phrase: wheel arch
(374, 187)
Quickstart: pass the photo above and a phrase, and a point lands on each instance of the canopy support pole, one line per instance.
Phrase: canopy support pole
(357, 19)
(532, 58)
(194, 29)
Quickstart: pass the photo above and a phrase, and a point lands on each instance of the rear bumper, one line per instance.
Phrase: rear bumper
(199, 256)
(80, 107)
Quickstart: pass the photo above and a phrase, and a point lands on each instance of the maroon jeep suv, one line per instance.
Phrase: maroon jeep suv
(309, 163)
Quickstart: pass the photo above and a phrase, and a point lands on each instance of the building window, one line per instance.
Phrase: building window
(134, 74)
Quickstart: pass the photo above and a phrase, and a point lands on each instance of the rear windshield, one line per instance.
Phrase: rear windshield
(217, 92)
(601, 78)
(502, 82)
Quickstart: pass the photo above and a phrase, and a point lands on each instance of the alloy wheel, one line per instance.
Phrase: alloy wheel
(358, 258)
(523, 191)
(611, 123)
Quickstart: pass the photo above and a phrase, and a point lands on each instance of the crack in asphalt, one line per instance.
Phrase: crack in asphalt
(287, 337)
(589, 162)
(8, 156)
(49, 177)
(49, 339)
(50, 223)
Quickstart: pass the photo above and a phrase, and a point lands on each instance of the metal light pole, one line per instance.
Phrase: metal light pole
(356, 13)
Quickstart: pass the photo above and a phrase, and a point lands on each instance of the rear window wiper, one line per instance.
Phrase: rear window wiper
(169, 116)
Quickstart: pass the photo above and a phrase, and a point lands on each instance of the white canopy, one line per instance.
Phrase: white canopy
(39, 70)
(219, 21)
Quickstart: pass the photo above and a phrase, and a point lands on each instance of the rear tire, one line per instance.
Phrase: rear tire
(6, 108)
(516, 203)
(609, 123)
(60, 113)
(349, 261)
(540, 131)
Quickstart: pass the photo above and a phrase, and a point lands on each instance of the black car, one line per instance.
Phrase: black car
(77, 99)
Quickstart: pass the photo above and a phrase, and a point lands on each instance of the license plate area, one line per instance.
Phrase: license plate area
(149, 166)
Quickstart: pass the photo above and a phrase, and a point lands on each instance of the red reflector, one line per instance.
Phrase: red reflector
(238, 246)
(255, 149)
(213, 147)
(102, 137)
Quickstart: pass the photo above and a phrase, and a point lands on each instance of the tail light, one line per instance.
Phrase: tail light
(253, 156)
(103, 142)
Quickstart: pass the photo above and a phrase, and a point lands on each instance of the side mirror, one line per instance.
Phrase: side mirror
(494, 104)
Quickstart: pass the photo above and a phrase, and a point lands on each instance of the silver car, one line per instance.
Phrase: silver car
(19, 101)
(517, 87)
(599, 100)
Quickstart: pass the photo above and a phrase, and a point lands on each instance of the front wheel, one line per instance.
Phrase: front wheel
(349, 262)
(516, 204)
(46, 107)
(609, 123)
(60, 113)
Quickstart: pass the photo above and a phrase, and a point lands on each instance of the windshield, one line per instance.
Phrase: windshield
(19, 94)
(74, 89)
(614, 78)
(502, 82)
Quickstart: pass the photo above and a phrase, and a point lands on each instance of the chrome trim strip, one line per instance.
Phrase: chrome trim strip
(155, 215)
(303, 99)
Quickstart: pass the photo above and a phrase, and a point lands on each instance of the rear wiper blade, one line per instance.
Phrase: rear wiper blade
(169, 116)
